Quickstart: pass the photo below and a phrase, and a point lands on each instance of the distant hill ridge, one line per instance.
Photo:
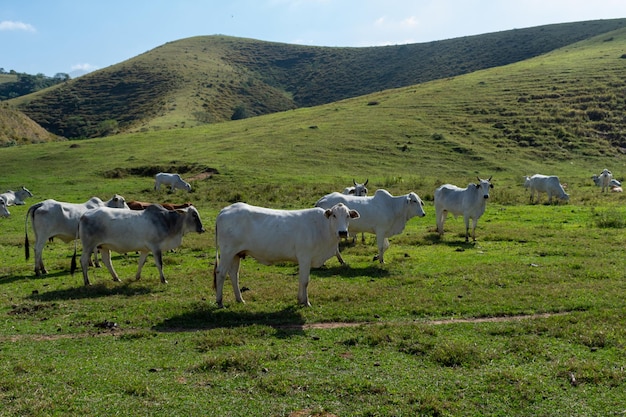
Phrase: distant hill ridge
(211, 79)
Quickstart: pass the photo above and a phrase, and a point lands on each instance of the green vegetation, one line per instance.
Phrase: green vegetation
(206, 79)
(526, 321)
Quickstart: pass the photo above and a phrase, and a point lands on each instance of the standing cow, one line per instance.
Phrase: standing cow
(549, 184)
(382, 214)
(173, 180)
(357, 190)
(51, 218)
(469, 202)
(154, 229)
(308, 237)
(604, 179)
(16, 197)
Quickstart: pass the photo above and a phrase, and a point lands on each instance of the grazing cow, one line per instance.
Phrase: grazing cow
(173, 180)
(359, 190)
(51, 218)
(308, 237)
(142, 205)
(469, 202)
(16, 197)
(381, 214)
(154, 229)
(548, 184)
(4, 211)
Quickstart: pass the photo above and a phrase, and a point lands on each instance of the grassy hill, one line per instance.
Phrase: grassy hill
(560, 113)
(17, 129)
(215, 78)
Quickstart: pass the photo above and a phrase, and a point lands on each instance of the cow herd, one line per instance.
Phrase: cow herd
(308, 237)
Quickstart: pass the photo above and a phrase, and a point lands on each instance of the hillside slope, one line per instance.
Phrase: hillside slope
(17, 129)
(215, 78)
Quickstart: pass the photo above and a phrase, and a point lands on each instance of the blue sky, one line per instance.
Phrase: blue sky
(52, 36)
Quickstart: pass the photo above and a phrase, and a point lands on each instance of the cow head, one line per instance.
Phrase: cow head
(484, 186)
(359, 190)
(339, 216)
(4, 212)
(416, 206)
(117, 201)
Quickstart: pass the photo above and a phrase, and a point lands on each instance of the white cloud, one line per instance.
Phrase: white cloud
(84, 67)
(11, 25)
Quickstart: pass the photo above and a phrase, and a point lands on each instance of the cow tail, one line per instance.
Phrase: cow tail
(217, 259)
(73, 264)
(29, 213)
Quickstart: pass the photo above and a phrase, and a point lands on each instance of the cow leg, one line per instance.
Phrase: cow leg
(142, 260)
(383, 244)
(158, 260)
(230, 267)
(39, 266)
(474, 223)
(84, 264)
(106, 260)
(466, 219)
(234, 278)
(304, 271)
(441, 219)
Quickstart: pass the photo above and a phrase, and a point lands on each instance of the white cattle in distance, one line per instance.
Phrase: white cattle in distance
(357, 190)
(16, 197)
(382, 214)
(51, 218)
(548, 184)
(613, 183)
(605, 180)
(469, 202)
(308, 237)
(4, 211)
(154, 229)
(173, 180)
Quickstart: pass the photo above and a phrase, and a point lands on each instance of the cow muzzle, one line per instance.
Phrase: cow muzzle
(343, 234)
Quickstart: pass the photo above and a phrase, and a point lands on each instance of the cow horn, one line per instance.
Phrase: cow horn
(490, 178)
(366, 181)
(353, 181)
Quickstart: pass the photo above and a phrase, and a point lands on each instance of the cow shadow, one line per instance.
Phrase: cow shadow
(459, 245)
(347, 271)
(127, 289)
(8, 279)
(288, 321)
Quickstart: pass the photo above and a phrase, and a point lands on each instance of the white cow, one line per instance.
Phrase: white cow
(51, 218)
(470, 202)
(16, 197)
(4, 211)
(154, 229)
(381, 214)
(173, 180)
(604, 180)
(308, 237)
(359, 190)
(612, 183)
(548, 184)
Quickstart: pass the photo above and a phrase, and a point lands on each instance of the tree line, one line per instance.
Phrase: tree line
(27, 83)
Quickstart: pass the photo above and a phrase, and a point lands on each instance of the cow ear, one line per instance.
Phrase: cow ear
(328, 213)
(490, 185)
(354, 214)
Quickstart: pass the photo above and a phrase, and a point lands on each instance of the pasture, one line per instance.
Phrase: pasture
(527, 321)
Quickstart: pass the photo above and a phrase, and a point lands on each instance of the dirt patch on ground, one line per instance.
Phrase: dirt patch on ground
(115, 331)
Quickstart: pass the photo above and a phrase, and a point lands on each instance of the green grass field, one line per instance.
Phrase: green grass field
(526, 321)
